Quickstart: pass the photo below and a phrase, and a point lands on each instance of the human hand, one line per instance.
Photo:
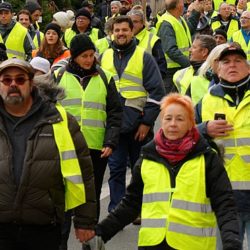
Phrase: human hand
(84, 234)
(106, 152)
(142, 132)
(198, 5)
(218, 128)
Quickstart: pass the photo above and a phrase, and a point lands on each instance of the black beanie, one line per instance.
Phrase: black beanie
(220, 32)
(83, 12)
(79, 44)
(55, 27)
(32, 7)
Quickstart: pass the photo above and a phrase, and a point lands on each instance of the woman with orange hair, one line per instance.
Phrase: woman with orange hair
(180, 187)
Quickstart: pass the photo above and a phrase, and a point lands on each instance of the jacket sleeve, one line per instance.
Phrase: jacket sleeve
(127, 210)
(219, 191)
(153, 84)
(193, 21)
(114, 116)
(27, 47)
(160, 59)
(169, 45)
(84, 215)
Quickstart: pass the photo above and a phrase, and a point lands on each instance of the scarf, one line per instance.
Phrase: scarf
(177, 150)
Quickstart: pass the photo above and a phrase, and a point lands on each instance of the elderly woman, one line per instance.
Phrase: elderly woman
(180, 187)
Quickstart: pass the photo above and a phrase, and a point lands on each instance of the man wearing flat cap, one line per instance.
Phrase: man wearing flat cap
(36, 185)
(224, 114)
(15, 37)
(82, 24)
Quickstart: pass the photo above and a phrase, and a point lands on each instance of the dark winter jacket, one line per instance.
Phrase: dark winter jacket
(152, 82)
(218, 189)
(32, 189)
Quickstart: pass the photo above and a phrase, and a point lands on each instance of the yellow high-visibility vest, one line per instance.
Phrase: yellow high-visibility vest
(181, 215)
(70, 168)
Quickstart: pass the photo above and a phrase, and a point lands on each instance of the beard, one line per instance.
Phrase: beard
(13, 100)
(123, 11)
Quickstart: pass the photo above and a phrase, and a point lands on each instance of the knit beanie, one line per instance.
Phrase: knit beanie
(83, 12)
(32, 7)
(41, 64)
(220, 32)
(55, 27)
(64, 19)
(79, 44)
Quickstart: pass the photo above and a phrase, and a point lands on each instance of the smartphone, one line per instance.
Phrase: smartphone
(219, 116)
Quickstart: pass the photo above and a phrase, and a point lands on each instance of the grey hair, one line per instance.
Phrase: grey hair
(118, 3)
(214, 55)
(207, 42)
(136, 13)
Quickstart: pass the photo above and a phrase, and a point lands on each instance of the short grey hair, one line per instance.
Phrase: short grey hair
(136, 13)
(118, 3)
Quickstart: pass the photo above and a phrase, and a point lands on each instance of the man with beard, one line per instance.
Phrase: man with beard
(126, 6)
(42, 173)
(139, 83)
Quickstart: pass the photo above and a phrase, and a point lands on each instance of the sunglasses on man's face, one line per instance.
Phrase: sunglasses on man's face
(7, 81)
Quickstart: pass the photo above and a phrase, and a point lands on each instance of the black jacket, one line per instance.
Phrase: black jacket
(32, 189)
(218, 190)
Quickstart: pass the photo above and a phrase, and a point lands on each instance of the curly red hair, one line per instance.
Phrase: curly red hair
(183, 100)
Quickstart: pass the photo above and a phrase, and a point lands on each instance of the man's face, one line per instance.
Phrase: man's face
(82, 22)
(122, 33)
(126, 7)
(233, 68)
(15, 87)
(225, 11)
(24, 20)
(36, 15)
(220, 39)
(197, 53)
(245, 20)
(137, 23)
(5, 17)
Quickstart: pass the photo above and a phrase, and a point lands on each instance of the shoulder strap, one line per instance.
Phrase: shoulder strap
(102, 75)
(60, 74)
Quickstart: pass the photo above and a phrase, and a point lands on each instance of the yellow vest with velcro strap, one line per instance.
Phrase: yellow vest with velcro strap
(70, 168)
(15, 42)
(182, 35)
(233, 27)
(239, 38)
(69, 34)
(130, 84)
(87, 106)
(147, 40)
(237, 143)
(181, 215)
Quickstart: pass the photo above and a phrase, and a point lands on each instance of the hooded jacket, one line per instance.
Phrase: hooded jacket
(31, 184)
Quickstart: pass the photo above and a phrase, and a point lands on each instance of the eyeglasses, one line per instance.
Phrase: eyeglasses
(18, 80)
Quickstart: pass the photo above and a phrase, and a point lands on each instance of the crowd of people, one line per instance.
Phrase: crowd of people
(84, 93)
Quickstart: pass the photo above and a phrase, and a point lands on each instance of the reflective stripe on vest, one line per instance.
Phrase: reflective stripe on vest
(102, 44)
(87, 106)
(237, 143)
(239, 38)
(183, 36)
(179, 214)
(233, 27)
(70, 168)
(182, 79)
(130, 84)
(15, 42)
(147, 40)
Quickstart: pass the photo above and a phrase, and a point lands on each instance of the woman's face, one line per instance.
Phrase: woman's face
(175, 122)
(86, 59)
(51, 37)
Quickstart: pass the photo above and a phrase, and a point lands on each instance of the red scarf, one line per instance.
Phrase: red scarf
(175, 151)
